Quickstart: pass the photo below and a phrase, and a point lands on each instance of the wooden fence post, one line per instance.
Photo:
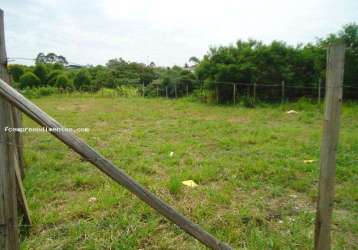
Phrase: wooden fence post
(187, 89)
(319, 91)
(175, 91)
(333, 102)
(234, 94)
(217, 94)
(108, 168)
(282, 92)
(9, 237)
(143, 89)
(166, 91)
(254, 91)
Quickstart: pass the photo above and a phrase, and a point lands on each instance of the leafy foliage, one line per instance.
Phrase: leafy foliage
(82, 80)
(252, 61)
(29, 80)
(50, 58)
(62, 82)
(244, 62)
(16, 71)
(40, 71)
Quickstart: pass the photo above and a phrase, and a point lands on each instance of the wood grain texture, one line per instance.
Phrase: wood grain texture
(107, 167)
(333, 102)
(9, 237)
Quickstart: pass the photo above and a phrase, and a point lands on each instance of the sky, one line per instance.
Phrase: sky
(167, 32)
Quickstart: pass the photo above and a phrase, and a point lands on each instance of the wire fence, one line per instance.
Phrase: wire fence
(221, 92)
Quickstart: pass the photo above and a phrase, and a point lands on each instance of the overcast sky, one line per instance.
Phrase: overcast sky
(167, 32)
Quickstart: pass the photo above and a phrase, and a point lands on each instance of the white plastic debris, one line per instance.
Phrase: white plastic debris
(92, 199)
(308, 161)
(190, 183)
(292, 112)
(171, 154)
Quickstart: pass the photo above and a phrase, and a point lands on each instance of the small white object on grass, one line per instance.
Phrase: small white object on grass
(92, 199)
(190, 183)
(171, 154)
(308, 161)
(292, 112)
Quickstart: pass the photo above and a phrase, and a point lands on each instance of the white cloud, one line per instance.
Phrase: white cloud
(167, 32)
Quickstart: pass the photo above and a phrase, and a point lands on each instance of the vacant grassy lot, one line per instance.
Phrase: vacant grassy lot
(255, 191)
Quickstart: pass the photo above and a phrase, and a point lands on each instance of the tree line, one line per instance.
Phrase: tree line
(249, 61)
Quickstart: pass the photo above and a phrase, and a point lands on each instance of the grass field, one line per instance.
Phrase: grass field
(255, 191)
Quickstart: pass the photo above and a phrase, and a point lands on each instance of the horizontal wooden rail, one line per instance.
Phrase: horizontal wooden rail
(107, 167)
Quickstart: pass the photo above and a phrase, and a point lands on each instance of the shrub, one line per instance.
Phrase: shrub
(248, 101)
(204, 95)
(62, 82)
(40, 71)
(38, 92)
(29, 80)
(82, 80)
(127, 91)
(52, 77)
(16, 72)
(174, 185)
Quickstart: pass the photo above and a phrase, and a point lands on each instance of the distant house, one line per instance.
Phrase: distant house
(73, 66)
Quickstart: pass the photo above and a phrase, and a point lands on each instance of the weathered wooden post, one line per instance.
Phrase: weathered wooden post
(217, 94)
(234, 94)
(175, 91)
(143, 89)
(187, 89)
(166, 91)
(282, 92)
(333, 102)
(254, 91)
(9, 235)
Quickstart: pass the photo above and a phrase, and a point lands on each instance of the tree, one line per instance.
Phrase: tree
(194, 60)
(16, 71)
(40, 71)
(52, 77)
(29, 80)
(63, 82)
(82, 80)
(50, 58)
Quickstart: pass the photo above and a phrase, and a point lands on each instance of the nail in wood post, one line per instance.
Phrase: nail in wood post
(9, 237)
(333, 102)
(234, 93)
(319, 91)
(282, 92)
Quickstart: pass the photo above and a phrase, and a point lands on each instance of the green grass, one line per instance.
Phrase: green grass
(254, 190)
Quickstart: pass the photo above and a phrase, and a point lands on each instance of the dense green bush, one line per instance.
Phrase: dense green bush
(16, 71)
(52, 77)
(128, 91)
(39, 92)
(82, 80)
(29, 80)
(40, 71)
(62, 82)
